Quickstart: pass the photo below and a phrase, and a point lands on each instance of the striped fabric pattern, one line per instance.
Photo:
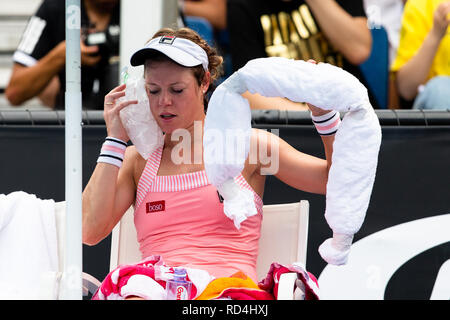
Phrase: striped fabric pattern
(147, 176)
(179, 182)
(151, 182)
(32, 34)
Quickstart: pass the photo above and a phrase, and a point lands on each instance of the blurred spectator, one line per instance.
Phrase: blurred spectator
(332, 31)
(422, 64)
(39, 61)
(386, 14)
(212, 10)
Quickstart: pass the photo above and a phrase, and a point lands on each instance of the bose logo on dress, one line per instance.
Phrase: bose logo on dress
(155, 206)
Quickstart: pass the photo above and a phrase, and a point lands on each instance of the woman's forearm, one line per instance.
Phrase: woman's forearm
(349, 35)
(327, 140)
(28, 82)
(416, 70)
(213, 10)
(98, 203)
(328, 148)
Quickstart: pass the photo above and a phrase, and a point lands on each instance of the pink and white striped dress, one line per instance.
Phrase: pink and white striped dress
(181, 218)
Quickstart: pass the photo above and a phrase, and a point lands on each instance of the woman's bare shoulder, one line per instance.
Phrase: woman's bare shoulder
(134, 163)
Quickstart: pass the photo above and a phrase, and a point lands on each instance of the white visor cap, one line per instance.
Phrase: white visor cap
(180, 50)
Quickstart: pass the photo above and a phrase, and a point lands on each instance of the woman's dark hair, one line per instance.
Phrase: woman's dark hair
(215, 61)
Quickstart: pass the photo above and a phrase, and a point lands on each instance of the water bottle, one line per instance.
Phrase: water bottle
(178, 288)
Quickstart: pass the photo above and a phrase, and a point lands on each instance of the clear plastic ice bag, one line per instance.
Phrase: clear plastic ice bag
(139, 123)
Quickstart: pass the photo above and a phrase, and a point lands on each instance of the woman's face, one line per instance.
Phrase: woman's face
(176, 99)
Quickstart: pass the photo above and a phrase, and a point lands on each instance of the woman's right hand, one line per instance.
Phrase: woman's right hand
(441, 19)
(111, 113)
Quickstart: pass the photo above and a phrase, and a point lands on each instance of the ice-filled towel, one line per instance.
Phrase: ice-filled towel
(28, 245)
(147, 279)
(355, 149)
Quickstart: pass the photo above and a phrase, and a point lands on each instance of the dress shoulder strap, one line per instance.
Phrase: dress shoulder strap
(148, 175)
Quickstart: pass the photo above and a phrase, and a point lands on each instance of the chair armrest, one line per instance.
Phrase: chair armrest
(286, 286)
(90, 284)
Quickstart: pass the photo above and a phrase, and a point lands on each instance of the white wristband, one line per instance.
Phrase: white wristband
(328, 123)
(112, 152)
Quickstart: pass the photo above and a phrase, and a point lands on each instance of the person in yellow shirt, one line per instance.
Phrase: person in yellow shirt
(422, 64)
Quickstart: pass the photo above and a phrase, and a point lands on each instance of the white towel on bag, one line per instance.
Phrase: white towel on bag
(355, 149)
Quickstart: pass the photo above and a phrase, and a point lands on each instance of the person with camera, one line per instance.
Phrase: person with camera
(39, 61)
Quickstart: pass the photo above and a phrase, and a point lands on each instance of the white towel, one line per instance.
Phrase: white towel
(226, 144)
(28, 245)
(356, 145)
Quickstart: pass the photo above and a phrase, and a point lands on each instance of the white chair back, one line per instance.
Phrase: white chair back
(284, 235)
(124, 244)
